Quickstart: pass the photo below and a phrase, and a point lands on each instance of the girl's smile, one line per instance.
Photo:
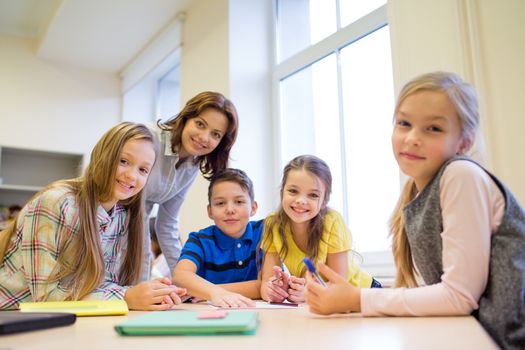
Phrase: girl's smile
(135, 163)
(125, 187)
(411, 156)
(302, 197)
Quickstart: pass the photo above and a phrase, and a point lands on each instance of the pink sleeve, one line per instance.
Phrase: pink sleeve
(472, 208)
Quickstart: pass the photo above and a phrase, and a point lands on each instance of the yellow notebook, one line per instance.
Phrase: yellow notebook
(79, 308)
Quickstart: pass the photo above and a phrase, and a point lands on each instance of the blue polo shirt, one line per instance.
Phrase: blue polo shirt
(221, 258)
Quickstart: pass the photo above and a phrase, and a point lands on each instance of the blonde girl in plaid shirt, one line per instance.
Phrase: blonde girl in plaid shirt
(83, 238)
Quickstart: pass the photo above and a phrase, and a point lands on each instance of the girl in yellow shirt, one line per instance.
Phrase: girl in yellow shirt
(303, 227)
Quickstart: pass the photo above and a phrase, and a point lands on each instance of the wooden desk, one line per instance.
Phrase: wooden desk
(291, 329)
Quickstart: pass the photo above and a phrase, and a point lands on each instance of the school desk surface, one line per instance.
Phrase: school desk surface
(293, 328)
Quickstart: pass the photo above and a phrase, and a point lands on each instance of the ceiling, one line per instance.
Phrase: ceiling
(101, 35)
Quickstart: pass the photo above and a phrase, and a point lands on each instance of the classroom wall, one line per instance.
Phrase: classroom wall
(250, 62)
(227, 48)
(204, 66)
(483, 41)
(43, 105)
(501, 43)
(52, 107)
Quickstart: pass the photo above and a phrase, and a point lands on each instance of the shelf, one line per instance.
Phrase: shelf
(24, 172)
(21, 188)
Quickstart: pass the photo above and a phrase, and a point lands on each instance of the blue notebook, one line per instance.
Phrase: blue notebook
(190, 323)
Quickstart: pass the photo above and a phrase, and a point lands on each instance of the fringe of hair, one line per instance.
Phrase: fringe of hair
(405, 276)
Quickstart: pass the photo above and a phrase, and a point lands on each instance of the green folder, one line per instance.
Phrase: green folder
(189, 323)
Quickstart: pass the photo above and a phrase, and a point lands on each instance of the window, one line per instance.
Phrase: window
(168, 94)
(157, 95)
(335, 100)
(150, 82)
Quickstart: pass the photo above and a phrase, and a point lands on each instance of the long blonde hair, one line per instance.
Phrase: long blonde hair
(463, 97)
(81, 260)
(319, 169)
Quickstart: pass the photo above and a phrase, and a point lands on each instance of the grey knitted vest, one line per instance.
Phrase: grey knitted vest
(502, 306)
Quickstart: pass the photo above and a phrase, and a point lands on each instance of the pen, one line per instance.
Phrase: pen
(311, 267)
(285, 269)
(283, 303)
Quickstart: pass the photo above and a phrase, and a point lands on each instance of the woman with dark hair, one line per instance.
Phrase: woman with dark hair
(200, 137)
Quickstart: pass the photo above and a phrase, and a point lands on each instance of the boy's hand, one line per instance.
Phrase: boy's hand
(224, 298)
(296, 289)
(157, 294)
(339, 297)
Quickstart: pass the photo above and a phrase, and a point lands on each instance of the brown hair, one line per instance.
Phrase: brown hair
(320, 169)
(463, 97)
(232, 175)
(217, 160)
(82, 259)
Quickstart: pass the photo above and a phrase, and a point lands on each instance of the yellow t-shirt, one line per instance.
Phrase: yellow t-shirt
(336, 238)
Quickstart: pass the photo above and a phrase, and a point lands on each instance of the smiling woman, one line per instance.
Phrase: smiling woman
(66, 243)
(199, 137)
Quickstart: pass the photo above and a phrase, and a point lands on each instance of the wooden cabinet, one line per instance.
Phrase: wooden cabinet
(23, 172)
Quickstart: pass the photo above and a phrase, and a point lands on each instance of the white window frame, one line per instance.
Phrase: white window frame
(380, 263)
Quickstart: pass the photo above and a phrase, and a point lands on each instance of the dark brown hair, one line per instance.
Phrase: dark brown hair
(232, 175)
(217, 160)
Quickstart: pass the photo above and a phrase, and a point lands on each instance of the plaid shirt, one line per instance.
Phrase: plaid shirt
(45, 226)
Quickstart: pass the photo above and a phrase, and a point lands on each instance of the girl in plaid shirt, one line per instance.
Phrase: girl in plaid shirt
(83, 238)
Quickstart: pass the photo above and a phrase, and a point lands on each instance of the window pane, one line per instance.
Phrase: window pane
(302, 23)
(372, 173)
(168, 100)
(352, 10)
(310, 119)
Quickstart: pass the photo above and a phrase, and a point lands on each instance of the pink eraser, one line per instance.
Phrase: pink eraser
(204, 315)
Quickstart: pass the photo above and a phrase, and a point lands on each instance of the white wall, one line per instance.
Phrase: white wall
(501, 56)
(204, 66)
(50, 107)
(226, 45)
(484, 41)
(227, 48)
(250, 61)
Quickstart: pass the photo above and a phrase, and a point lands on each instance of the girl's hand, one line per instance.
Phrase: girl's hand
(339, 297)
(277, 286)
(296, 289)
(177, 296)
(224, 298)
(157, 294)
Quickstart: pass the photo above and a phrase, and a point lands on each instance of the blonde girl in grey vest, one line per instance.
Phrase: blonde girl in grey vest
(458, 234)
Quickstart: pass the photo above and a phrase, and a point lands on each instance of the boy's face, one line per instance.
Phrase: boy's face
(231, 208)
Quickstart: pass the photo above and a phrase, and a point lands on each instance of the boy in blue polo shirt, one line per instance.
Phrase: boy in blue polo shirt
(219, 263)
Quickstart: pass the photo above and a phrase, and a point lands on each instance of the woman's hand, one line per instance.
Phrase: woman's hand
(339, 297)
(158, 294)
